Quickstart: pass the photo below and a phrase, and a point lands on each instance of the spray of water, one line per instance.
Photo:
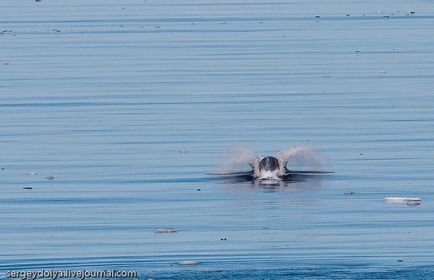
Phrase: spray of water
(240, 156)
(295, 158)
(300, 158)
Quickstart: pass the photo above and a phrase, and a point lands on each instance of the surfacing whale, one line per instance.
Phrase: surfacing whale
(271, 170)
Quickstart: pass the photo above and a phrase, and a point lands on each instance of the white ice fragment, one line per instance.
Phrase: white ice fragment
(402, 199)
(189, 262)
(166, 230)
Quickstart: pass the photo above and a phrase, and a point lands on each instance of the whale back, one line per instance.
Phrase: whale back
(268, 164)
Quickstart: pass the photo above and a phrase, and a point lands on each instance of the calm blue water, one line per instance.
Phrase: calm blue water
(102, 95)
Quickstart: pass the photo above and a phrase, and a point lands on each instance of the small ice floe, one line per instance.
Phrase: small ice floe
(32, 173)
(27, 188)
(189, 262)
(410, 201)
(166, 230)
(50, 177)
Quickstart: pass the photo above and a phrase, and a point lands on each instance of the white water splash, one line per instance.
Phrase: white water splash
(297, 158)
(300, 157)
(241, 156)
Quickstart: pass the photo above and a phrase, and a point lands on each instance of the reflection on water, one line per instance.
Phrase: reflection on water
(293, 183)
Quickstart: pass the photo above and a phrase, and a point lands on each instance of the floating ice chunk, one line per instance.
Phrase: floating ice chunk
(166, 230)
(403, 199)
(189, 262)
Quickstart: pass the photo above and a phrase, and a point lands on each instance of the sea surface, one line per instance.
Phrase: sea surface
(130, 105)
